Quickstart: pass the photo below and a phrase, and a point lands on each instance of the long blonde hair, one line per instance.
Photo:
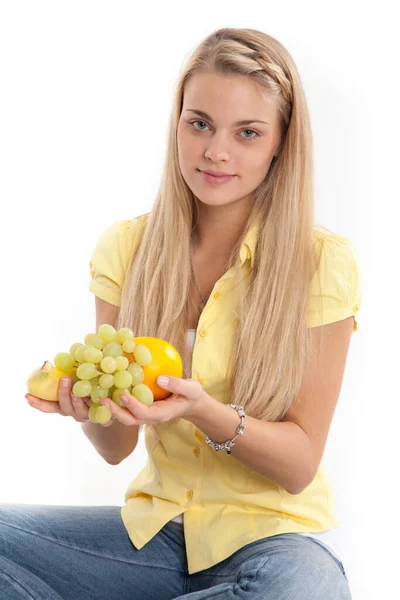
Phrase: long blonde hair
(272, 343)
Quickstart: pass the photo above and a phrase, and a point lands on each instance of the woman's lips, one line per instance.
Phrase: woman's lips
(215, 180)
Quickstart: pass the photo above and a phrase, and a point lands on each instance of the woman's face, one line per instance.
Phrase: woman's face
(209, 137)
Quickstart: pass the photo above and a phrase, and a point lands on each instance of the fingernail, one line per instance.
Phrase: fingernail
(162, 380)
(65, 381)
(74, 398)
(29, 400)
(124, 399)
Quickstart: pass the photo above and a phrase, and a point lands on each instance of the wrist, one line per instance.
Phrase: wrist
(199, 408)
(215, 419)
(227, 445)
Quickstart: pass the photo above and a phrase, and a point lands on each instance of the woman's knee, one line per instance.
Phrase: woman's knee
(303, 571)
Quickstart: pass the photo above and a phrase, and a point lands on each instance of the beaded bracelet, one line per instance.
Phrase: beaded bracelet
(239, 431)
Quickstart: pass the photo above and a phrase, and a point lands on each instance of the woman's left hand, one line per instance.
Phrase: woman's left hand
(182, 403)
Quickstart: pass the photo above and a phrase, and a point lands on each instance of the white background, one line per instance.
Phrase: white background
(86, 91)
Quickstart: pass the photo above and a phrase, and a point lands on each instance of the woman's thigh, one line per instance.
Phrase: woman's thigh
(84, 552)
(281, 567)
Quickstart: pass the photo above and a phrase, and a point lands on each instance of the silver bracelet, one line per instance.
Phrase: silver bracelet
(239, 431)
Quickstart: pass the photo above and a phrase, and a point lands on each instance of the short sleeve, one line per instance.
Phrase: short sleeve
(336, 286)
(111, 258)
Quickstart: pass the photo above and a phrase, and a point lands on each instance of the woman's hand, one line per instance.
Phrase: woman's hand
(184, 401)
(67, 405)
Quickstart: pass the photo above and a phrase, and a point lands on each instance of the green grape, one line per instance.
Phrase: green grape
(142, 355)
(137, 373)
(82, 388)
(98, 393)
(64, 361)
(103, 414)
(124, 334)
(116, 396)
(106, 381)
(74, 378)
(108, 364)
(79, 354)
(93, 339)
(113, 349)
(92, 355)
(107, 333)
(122, 379)
(95, 380)
(121, 363)
(74, 348)
(93, 413)
(87, 371)
(143, 393)
(128, 346)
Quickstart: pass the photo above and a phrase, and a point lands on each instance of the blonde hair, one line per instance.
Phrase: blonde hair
(273, 343)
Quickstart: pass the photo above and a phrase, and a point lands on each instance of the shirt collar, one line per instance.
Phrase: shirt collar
(247, 248)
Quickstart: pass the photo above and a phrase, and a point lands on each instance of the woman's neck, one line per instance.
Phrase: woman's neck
(219, 229)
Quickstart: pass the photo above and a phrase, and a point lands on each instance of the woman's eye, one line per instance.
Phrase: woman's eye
(193, 122)
(251, 130)
(255, 134)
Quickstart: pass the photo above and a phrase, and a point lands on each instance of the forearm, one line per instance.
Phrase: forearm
(281, 451)
(113, 443)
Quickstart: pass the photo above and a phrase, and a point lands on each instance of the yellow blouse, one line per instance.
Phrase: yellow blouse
(226, 505)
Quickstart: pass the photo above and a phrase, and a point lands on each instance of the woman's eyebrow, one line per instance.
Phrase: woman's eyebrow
(243, 122)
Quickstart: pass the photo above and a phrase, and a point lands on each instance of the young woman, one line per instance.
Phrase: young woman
(235, 499)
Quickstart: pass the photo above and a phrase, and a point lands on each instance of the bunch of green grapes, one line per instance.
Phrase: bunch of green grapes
(100, 369)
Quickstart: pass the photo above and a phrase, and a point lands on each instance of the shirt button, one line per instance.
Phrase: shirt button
(189, 494)
(196, 451)
(356, 307)
(203, 332)
(216, 295)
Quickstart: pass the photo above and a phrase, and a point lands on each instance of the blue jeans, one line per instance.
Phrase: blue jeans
(85, 553)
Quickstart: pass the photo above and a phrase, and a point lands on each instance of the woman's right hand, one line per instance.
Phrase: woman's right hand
(67, 405)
